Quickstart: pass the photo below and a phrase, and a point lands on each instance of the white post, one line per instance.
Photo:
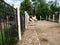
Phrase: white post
(26, 19)
(40, 17)
(19, 26)
(49, 17)
(17, 6)
(59, 18)
(46, 17)
(53, 17)
(7, 21)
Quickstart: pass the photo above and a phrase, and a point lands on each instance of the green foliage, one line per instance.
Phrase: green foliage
(1, 5)
(59, 9)
(5, 9)
(10, 35)
(1, 14)
(0, 36)
(46, 8)
(26, 6)
(53, 8)
(42, 8)
(22, 8)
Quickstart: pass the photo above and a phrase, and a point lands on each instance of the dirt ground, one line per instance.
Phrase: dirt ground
(42, 33)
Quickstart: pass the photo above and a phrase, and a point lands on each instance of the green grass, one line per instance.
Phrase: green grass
(10, 34)
(0, 36)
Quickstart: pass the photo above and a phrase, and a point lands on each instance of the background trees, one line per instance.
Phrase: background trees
(43, 8)
(26, 6)
(54, 6)
(40, 7)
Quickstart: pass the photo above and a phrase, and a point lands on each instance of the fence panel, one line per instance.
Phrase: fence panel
(8, 25)
(22, 16)
(57, 18)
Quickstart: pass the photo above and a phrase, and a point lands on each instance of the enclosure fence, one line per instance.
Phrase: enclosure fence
(8, 24)
(53, 18)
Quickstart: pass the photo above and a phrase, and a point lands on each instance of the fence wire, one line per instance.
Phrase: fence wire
(8, 24)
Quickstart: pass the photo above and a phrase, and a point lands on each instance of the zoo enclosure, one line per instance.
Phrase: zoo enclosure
(8, 24)
(53, 18)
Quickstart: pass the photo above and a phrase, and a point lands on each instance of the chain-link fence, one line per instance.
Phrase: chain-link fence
(8, 24)
(22, 16)
(52, 18)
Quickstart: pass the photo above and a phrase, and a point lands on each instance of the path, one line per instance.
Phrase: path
(43, 33)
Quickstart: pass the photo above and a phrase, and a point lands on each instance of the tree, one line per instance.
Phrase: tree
(42, 8)
(39, 3)
(26, 6)
(53, 6)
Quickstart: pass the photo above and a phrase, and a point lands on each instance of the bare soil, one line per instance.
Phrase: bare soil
(42, 33)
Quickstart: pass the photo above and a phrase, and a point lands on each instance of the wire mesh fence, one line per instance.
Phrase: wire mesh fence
(52, 18)
(8, 24)
(22, 16)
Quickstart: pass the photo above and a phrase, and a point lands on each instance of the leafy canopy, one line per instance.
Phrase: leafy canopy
(26, 6)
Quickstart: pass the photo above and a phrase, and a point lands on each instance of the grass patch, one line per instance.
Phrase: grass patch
(0, 36)
(9, 36)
